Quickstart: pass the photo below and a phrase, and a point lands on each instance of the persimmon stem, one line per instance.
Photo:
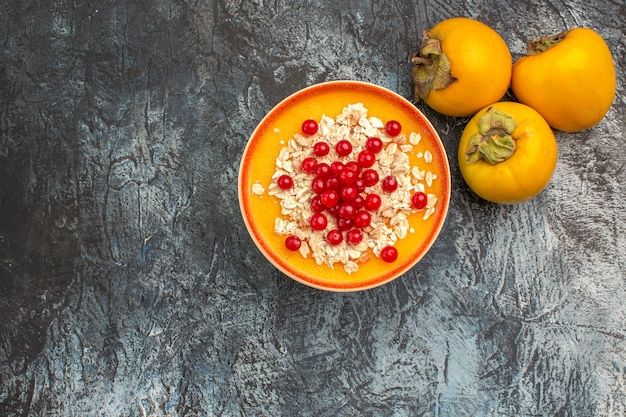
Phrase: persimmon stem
(543, 43)
(432, 68)
(494, 142)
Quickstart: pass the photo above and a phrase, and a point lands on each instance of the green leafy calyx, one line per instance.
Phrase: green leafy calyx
(431, 69)
(494, 142)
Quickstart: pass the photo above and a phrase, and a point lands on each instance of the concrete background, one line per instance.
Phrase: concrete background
(130, 287)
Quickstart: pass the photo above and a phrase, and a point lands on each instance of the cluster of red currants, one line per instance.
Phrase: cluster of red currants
(339, 189)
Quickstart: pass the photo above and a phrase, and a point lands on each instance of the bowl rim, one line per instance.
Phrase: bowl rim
(394, 272)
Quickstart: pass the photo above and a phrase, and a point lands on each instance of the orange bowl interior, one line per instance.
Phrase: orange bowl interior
(258, 164)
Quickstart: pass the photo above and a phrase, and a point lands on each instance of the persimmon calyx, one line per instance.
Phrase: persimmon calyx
(494, 142)
(432, 68)
(543, 43)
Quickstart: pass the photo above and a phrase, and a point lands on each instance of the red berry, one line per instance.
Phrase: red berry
(366, 158)
(344, 224)
(374, 144)
(353, 166)
(309, 164)
(318, 221)
(309, 127)
(393, 128)
(293, 243)
(336, 167)
(348, 193)
(354, 237)
(348, 177)
(346, 211)
(332, 182)
(370, 177)
(318, 185)
(390, 184)
(343, 147)
(359, 184)
(285, 182)
(362, 219)
(322, 169)
(372, 202)
(389, 254)
(419, 200)
(329, 198)
(334, 237)
(316, 204)
(321, 149)
(358, 202)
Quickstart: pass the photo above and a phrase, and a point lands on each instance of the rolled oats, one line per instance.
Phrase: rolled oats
(258, 189)
(389, 224)
(414, 138)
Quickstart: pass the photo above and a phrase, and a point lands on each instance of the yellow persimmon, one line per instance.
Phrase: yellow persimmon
(569, 78)
(463, 65)
(507, 153)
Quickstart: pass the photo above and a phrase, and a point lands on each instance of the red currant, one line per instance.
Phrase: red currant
(353, 166)
(309, 127)
(344, 224)
(370, 177)
(318, 185)
(334, 237)
(316, 204)
(346, 211)
(293, 242)
(348, 177)
(366, 158)
(354, 237)
(390, 184)
(343, 147)
(374, 144)
(419, 200)
(372, 202)
(329, 198)
(348, 193)
(318, 221)
(309, 164)
(285, 182)
(393, 128)
(359, 184)
(332, 182)
(336, 167)
(358, 202)
(362, 219)
(322, 169)
(389, 254)
(321, 149)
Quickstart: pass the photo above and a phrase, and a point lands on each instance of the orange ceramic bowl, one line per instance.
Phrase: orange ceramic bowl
(258, 164)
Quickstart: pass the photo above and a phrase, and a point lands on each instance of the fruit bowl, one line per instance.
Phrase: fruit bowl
(379, 221)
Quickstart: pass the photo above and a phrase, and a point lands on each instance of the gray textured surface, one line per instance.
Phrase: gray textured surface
(129, 285)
